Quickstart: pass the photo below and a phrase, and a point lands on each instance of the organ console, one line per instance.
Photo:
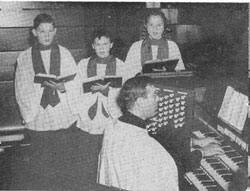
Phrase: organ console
(176, 106)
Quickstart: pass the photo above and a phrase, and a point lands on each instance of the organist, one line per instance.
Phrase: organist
(130, 159)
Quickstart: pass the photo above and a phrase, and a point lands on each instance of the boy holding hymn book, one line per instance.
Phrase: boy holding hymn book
(48, 108)
(102, 75)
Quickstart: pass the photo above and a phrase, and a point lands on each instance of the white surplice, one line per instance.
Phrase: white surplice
(98, 124)
(133, 59)
(28, 93)
(130, 159)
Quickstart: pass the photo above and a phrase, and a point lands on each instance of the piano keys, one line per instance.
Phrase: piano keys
(202, 180)
(220, 168)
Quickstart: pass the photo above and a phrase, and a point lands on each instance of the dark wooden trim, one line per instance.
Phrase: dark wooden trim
(8, 61)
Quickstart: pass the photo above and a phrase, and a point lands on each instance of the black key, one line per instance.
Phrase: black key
(202, 177)
(210, 183)
(223, 171)
(238, 159)
(215, 188)
(212, 134)
(232, 154)
(212, 160)
(218, 166)
(227, 178)
(198, 171)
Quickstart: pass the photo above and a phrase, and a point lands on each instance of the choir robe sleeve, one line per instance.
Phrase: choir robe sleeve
(174, 53)
(133, 59)
(73, 87)
(27, 96)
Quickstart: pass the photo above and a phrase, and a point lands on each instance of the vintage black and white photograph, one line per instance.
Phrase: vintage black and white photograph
(124, 96)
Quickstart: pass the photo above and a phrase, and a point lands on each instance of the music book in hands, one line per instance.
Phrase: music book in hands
(234, 109)
(40, 78)
(114, 81)
(160, 66)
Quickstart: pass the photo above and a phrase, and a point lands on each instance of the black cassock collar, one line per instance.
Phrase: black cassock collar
(133, 120)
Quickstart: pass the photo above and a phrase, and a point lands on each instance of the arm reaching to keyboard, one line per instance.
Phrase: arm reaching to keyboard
(211, 150)
(202, 142)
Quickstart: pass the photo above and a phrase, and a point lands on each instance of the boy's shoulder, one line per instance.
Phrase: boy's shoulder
(137, 43)
(84, 61)
(64, 49)
(24, 53)
(119, 61)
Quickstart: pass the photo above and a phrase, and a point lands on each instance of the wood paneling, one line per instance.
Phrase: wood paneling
(14, 39)
(64, 17)
(8, 61)
(9, 113)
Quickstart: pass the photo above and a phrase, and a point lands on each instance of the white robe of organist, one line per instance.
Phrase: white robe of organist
(28, 93)
(133, 59)
(99, 122)
(130, 159)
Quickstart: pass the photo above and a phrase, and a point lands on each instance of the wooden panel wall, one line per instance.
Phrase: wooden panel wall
(75, 22)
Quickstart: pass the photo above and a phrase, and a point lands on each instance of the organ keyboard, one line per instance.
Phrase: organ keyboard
(219, 168)
(215, 173)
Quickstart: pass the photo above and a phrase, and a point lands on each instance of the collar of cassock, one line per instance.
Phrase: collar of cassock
(133, 120)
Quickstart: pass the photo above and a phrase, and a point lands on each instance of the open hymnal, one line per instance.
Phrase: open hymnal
(114, 81)
(234, 109)
(40, 78)
(156, 66)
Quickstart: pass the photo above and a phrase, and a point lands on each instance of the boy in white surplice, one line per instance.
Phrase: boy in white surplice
(49, 110)
(99, 107)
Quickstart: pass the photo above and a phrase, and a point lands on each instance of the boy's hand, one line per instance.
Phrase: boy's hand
(100, 87)
(55, 86)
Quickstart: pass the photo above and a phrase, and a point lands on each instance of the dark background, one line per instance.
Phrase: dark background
(213, 38)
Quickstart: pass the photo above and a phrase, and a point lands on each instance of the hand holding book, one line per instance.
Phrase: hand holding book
(53, 82)
(99, 87)
(55, 86)
(98, 83)
(40, 78)
(104, 89)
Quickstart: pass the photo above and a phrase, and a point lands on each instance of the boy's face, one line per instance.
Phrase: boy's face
(102, 46)
(155, 27)
(45, 33)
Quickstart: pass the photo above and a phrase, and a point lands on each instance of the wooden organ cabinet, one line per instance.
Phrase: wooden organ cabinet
(177, 106)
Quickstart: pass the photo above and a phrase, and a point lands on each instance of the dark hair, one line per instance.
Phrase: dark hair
(154, 12)
(101, 33)
(43, 18)
(132, 89)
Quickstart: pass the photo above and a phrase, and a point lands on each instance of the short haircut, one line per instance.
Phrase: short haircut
(133, 89)
(156, 12)
(101, 33)
(43, 18)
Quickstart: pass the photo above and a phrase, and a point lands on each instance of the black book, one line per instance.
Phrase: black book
(40, 78)
(160, 66)
(115, 82)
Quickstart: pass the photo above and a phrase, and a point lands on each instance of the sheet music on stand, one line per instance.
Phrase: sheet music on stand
(234, 109)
